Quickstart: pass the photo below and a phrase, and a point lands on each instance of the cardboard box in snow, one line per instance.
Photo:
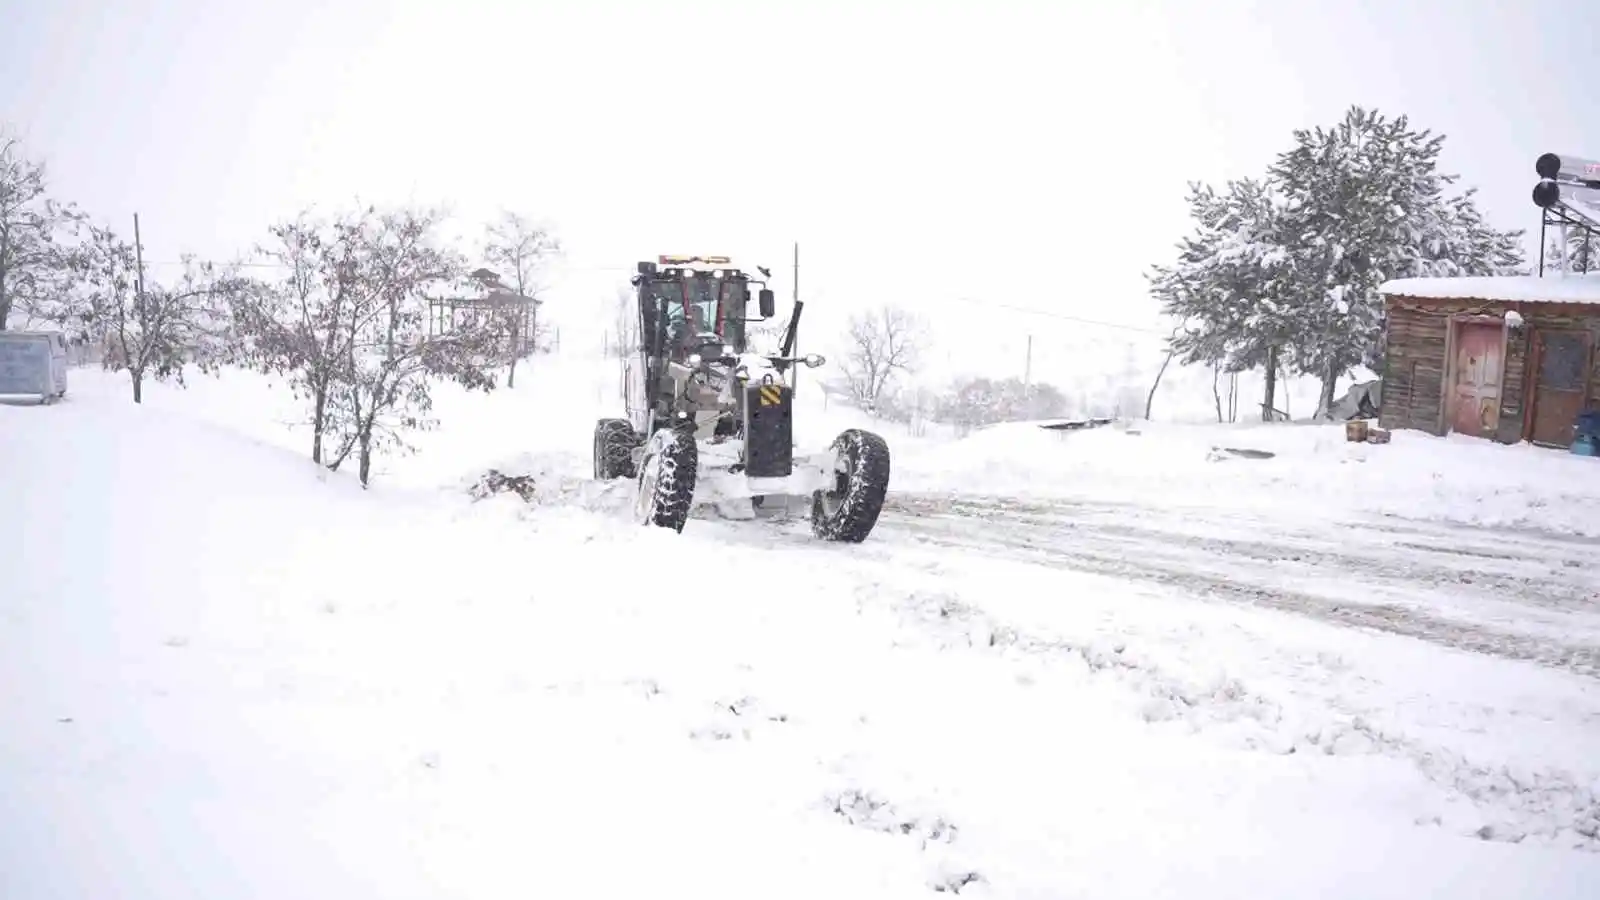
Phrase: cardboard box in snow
(33, 364)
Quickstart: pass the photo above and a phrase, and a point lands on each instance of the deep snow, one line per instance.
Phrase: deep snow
(224, 673)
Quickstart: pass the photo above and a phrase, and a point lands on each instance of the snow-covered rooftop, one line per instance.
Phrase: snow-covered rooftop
(1554, 288)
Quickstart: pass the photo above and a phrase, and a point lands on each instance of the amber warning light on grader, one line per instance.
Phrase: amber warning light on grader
(691, 260)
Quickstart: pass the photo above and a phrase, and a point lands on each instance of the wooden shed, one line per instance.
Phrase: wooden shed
(1506, 358)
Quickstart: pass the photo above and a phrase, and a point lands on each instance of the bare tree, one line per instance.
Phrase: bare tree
(34, 266)
(294, 327)
(347, 324)
(521, 249)
(394, 361)
(881, 344)
(147, 333)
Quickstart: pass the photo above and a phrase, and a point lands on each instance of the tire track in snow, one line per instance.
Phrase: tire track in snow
(1512, 803)
(1406, 578)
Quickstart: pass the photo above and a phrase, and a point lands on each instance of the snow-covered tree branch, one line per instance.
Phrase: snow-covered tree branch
(1580, 254)
(35, 267)
(347, 324)
(153, 332)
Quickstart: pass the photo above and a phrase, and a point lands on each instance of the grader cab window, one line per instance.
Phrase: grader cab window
(703, 305)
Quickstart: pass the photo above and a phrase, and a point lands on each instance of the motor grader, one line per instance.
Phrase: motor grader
(710, 422)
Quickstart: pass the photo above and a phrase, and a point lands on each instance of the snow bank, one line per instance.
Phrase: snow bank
(545, 423)
(1314, 470)
(552, 410)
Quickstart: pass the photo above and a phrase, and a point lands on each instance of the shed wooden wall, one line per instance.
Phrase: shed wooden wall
(1413, 368)
(1415, 358)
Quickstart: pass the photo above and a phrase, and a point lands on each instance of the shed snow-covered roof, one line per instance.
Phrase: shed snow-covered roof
(1552, 288)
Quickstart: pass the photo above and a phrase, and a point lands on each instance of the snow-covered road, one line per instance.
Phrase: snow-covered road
(1518, 594)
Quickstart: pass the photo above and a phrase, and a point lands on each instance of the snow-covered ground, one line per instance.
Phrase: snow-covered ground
(1062, 666)
(1313, 473)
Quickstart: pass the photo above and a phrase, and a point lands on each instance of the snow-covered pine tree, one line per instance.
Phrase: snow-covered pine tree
(1225, 288)
(1462, 244)
(1475, 247)
(1583, 251)
(1364, 202)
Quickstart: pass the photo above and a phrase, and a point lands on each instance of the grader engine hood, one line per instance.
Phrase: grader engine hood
(748, 387)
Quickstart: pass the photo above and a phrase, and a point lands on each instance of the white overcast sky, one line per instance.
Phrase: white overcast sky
(943, 156)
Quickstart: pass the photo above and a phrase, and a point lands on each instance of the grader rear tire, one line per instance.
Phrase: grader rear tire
(614, 440)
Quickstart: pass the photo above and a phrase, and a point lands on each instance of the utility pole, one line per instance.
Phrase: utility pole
(138, 255)
(795, 285)
(1027, 380)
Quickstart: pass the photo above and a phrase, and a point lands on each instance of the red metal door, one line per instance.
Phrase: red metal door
(1560, 385)
(1475, 394)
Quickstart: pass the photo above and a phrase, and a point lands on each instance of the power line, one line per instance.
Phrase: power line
(278, 265)
(562, 270)
(1062, 316)
(242, 265)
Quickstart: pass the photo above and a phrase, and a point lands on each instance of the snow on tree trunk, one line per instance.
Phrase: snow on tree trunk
(1216, 394)
(366, 458)
(1330, 382)
(319, 412)
(1150, 400)
(1269, 401)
